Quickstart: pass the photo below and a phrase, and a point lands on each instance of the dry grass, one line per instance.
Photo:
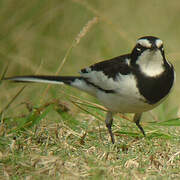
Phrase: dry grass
(78, 146)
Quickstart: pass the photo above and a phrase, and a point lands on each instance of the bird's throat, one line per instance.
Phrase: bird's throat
(151, 63)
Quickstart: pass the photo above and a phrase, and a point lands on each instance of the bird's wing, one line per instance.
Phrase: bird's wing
(104, 74)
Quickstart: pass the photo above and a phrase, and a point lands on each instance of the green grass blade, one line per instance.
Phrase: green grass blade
(3, 74)
(32, 119)
(13, 99)
(170, 122)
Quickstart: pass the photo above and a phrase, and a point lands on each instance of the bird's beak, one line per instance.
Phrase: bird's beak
(154, 47)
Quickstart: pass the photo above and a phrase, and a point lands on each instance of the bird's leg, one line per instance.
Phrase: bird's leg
(109, 121)
(137, 118)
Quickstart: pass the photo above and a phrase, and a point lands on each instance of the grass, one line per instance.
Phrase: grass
(56, 132)
(78, 146)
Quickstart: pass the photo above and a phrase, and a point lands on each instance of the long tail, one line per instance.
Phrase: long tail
(75, 81)
(44, 79)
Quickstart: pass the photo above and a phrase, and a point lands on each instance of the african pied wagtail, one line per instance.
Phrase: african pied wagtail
(131, 83)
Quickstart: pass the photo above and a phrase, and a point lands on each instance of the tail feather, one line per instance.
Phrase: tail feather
(75, 81)
(44, 79)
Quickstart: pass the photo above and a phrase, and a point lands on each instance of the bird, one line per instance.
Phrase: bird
(131, 83)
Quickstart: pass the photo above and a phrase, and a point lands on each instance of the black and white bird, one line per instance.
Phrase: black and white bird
(131, 83)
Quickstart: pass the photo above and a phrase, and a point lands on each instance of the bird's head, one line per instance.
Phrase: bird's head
(148, 55)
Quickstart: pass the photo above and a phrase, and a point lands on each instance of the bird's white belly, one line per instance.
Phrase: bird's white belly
(126, 98)
(123, 104)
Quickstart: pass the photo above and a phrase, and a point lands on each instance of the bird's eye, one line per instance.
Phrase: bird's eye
(138, 48)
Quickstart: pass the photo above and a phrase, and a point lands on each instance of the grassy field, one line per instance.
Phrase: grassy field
(57, 132)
